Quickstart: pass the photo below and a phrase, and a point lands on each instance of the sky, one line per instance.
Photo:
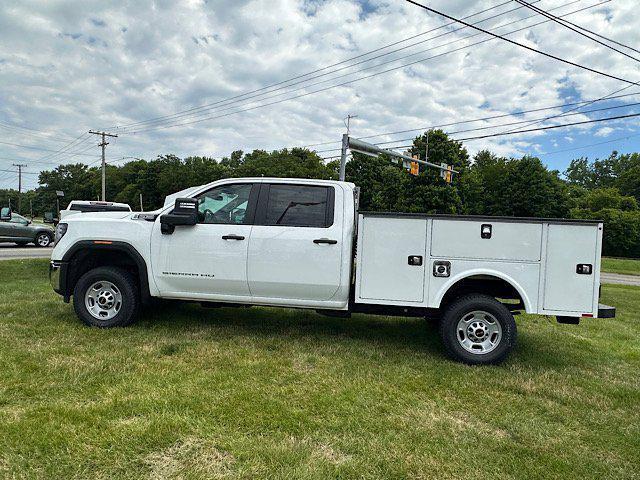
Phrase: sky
(207, 77)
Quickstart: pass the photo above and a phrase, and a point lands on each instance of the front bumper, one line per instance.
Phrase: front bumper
(58, 277)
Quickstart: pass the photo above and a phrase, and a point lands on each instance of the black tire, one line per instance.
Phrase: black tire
(452, 336)
(39, 241)
(127, 288)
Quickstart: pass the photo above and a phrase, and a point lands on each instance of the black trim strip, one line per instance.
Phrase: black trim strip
(114, 246)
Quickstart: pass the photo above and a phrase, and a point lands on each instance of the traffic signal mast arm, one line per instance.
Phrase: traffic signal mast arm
(372, 150)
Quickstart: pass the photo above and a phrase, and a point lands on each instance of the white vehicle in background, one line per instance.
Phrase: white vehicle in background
(80, 206)
(302, 243)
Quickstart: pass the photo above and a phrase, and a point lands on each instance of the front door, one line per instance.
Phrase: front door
(208, 260)
(295, 251)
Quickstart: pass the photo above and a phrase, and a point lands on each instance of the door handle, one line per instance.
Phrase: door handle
(232, 237)
(325, 240)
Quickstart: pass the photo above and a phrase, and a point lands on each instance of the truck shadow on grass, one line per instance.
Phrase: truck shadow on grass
(388, 335)
(276, 323)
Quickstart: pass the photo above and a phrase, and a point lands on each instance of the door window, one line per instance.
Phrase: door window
(18, 219)
(299, 206)
(226, 204)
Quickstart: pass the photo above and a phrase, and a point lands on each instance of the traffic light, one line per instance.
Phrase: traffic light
(446, 172)
(415, 167)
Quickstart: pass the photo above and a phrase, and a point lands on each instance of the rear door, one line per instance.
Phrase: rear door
(295, 250)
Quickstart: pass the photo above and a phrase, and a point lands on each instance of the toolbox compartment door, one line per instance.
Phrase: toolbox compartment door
(388, 267)
(568, 247)
(486, 239)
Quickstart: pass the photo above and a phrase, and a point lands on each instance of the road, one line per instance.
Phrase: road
(8, 251)
(619, 279)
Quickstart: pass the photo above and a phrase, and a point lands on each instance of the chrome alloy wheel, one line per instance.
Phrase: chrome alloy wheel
(103, 300)
(43, 240)
(479, 332)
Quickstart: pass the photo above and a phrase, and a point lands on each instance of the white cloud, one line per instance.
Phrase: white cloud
(604, 132)
(66, 67)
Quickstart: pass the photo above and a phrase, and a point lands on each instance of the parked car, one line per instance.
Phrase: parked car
(80, 206)
(303, 244)
(16, 228)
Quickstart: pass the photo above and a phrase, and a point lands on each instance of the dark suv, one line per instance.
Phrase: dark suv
(16, 228)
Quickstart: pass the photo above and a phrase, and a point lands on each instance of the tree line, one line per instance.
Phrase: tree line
(606, 189)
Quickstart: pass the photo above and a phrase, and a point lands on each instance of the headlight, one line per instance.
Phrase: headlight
(61, 229)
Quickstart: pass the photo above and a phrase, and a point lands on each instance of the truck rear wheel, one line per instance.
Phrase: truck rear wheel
(478, 330)
(106, 297)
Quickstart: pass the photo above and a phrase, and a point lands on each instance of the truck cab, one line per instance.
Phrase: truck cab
(302, 243)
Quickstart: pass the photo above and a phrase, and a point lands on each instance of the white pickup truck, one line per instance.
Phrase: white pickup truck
(302, 243)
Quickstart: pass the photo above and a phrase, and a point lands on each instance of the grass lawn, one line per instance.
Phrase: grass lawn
(625, 266)
(266, 393)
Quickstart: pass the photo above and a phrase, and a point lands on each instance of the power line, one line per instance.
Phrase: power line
(32, 147)
(589, 146)
(601, 36)
(522, 45)
(237, 103)
(538, 129)
(30, 132)
(349, 81)
(488, 127)
(207, 106)
(570, 27)
(77, 142)
(481, 119)
(551, 127)
(24, 173)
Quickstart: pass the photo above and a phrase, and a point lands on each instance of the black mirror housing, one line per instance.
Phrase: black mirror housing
(185, 213)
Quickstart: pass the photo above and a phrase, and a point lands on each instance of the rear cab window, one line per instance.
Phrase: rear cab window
(296, 205)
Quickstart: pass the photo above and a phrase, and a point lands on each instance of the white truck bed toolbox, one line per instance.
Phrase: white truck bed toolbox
(553, 263)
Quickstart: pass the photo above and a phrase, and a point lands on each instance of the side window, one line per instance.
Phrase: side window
(299, 206)
(18, 219)
(226, 204)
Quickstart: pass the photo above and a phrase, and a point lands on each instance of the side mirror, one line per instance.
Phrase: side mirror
(5, 213)
(184, 213)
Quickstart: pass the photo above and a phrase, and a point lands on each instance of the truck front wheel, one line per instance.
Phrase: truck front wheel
(106, 297)
(478, 330)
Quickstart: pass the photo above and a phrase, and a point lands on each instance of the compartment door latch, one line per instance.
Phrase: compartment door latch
(584, 269)
(415, 260)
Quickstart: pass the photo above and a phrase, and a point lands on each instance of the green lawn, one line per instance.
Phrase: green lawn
(626, 266)
(267, 393)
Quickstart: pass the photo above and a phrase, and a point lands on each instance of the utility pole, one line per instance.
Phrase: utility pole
(103, 144)
(345, 146)
(19, 165)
